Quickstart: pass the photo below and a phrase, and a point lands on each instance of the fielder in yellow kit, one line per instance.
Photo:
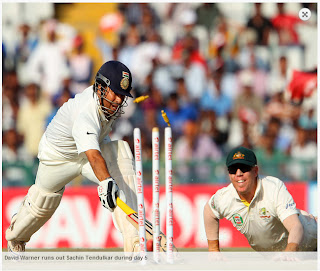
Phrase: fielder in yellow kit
(261, 209)
(77, 142)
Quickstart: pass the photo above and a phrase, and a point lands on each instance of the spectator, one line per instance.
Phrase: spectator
(281, 131)
(12, 149)
(10, 100)
(207, 124)
(57, 102)
(81, 66)
(144, 115)
(214, 97)
(279, 76)
(269, 155)
(107, 51)
(207, 15)
(191, 151)
(246, 114)
(247, 138)
(252, 56)
(304, 153)
(131, 41)
(171, 27)
(281, 114)
(188, 22)
(16, 161)
(216, 128)
(162, 76)
(138, 14)
(47, 64)
(24, 47)
(177, 114)
(217, 101)
(285, 25)
(182, 91)
(228, 68)
(194, 75)
(188, 43)
(277, 107)
(31, 121)
(261, 26)
(242, 132)
(259, 76)
(224, 36)
(248, 106)
(145, 55)
(302, 148)
(149, 21)
(308, 121)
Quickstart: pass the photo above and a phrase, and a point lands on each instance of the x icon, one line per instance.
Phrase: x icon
(304, 14)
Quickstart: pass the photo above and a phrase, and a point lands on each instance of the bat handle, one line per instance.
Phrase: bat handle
(124, 207)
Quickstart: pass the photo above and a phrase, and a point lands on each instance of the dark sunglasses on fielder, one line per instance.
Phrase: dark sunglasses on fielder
(244, 168)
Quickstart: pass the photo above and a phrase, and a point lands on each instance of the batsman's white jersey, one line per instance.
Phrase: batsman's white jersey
(78, 126)
(261, 221)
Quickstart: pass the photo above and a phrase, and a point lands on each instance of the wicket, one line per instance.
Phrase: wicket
(168, 167)
(140, 197)
(155, 191)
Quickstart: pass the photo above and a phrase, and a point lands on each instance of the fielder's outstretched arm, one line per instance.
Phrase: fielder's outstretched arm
(295, 229)
(211, 224)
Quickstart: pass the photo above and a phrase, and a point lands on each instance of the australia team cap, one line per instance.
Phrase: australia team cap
(241, 155)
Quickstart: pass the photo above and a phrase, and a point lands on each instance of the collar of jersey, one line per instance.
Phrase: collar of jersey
(102, 116)
(255, 194)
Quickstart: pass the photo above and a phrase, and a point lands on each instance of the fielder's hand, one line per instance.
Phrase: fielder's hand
(108, 192)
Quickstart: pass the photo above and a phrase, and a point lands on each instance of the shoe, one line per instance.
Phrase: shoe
(13, 245)
(16, 246)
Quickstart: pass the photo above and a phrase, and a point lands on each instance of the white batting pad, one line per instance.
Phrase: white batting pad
(36, 209)
(120, 164)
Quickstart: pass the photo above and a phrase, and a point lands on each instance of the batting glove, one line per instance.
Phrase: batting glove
(108, 192)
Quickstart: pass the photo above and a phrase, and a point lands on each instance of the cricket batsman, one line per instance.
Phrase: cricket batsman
(261, 209)
(76, 142)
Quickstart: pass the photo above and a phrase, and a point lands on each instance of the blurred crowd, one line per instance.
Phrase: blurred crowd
(222, 84)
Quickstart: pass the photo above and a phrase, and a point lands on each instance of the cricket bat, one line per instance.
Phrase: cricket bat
(132, 217)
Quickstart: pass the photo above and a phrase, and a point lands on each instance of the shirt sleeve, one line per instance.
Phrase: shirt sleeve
(214, 205)
(285, 205)
(86, 131)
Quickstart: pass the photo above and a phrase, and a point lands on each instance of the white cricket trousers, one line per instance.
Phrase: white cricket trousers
(54, 173)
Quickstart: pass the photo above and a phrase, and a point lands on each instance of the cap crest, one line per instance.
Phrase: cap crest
(241, 155)
(238, 155)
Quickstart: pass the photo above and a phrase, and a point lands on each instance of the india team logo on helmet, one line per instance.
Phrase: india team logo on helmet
(125, 80)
